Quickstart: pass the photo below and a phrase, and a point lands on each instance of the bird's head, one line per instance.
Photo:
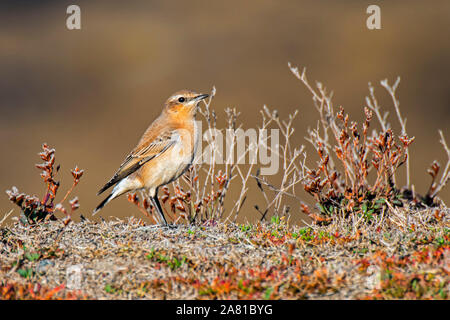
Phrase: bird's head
(184, 102)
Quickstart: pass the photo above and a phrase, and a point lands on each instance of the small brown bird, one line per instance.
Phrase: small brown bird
(165, 151)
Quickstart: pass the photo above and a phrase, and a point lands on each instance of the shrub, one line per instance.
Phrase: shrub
(35, 210)
(348, 155)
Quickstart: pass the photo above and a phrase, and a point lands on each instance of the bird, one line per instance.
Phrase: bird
(164, 152)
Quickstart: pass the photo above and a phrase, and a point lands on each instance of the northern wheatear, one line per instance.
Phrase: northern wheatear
(165, 151)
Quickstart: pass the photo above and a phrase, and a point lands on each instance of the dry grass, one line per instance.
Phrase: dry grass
(126, 260)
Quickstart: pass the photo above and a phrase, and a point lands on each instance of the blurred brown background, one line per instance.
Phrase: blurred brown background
(91, 93)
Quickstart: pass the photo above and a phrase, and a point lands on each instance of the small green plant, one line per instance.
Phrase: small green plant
(306, 234)
(246, 227)
(25, 272)
(173, 263)
(268, 293)
(32, 256)
(109, 288)
(275, 220)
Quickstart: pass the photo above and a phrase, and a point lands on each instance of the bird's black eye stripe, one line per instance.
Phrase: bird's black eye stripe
(181, 99)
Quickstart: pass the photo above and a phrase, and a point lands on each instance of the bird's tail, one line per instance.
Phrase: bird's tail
(103, 203)
(123, 187)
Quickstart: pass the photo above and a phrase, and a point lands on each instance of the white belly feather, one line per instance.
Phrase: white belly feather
(177, 159)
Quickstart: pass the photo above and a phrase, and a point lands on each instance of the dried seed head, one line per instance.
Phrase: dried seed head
(74, 204)
(77, 173)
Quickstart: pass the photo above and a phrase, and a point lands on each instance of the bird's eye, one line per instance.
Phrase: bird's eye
(182, 99)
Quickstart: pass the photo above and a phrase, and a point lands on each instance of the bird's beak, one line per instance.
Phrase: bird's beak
(201, 97)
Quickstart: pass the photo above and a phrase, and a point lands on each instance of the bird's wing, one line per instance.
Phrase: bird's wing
(144, 152)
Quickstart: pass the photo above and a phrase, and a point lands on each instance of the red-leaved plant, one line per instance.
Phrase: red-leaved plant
(33, 209)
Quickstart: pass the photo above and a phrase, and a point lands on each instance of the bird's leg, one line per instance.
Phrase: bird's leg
(158, 208)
